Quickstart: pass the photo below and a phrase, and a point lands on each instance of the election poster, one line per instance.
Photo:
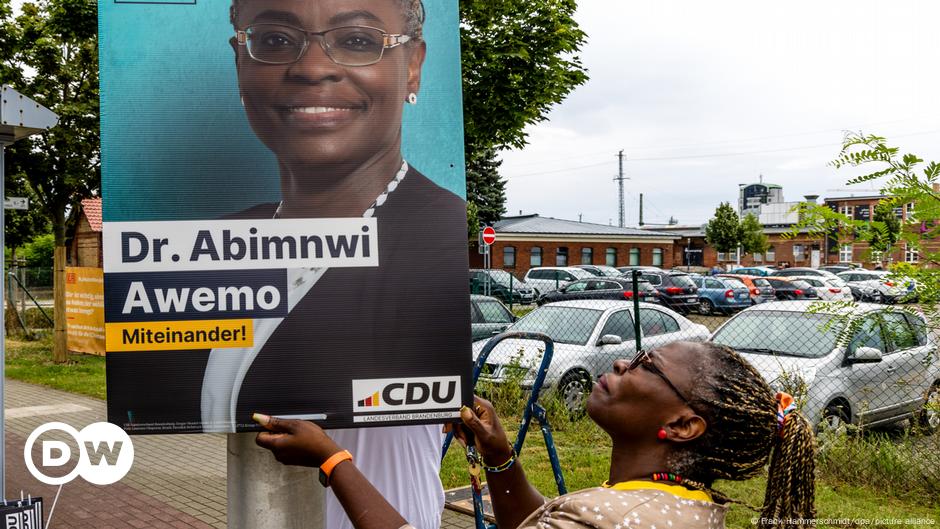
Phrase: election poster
(284, 213)
(84, 310)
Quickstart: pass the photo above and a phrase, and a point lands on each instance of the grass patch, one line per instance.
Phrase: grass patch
(902, 463)
(584, 452)
(31, 361)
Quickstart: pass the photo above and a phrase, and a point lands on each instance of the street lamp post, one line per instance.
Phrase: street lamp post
(20, 117)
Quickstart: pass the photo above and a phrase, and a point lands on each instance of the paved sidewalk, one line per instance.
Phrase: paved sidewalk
(177, 481)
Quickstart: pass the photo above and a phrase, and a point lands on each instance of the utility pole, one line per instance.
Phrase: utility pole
(620, 178)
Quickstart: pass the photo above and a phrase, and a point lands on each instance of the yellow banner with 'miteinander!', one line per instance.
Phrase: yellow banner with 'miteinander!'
(179, 335)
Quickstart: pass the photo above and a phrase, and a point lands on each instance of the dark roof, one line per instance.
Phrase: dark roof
(534, 224)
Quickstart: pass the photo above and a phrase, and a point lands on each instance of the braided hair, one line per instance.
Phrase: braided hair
(413, 11)
(741, 411)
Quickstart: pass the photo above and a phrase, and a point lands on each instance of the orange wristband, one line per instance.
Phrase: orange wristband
(326, 469)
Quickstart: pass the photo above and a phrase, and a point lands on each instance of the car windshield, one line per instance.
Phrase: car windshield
(503, 277)
(760, 283)
(788, 333)
(569, 325)
(734, 283)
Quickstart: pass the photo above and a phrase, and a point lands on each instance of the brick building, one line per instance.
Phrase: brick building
(863, 209)
(84, 248)
(801, 250)
(527, 241)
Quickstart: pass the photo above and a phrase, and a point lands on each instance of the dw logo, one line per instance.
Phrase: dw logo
(105, 454)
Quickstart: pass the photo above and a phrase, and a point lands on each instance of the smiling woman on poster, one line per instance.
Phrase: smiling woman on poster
(323, 84)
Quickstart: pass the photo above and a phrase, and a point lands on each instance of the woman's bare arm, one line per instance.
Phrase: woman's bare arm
(513, 497)
(303, 443)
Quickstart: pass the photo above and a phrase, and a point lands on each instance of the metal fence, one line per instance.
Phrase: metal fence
(867, 375)
(31, 292)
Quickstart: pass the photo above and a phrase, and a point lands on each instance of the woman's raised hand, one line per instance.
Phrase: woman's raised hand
(488, 433)
(295, 442)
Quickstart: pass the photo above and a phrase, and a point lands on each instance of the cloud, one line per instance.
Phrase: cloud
(703, 96)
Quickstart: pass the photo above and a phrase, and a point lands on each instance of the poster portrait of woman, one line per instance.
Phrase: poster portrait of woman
(311, 109)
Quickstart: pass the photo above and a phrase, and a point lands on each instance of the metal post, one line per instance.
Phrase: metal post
(512, 293)
(20, 117)
(264, 494)
(3, 342)
(636, 309)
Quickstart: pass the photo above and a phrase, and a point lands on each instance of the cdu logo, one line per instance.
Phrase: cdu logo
(105, 453)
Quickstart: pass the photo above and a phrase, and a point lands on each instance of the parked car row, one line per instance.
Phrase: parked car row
(588, 336)
(878, 287)
(869, 364)
(687, 292)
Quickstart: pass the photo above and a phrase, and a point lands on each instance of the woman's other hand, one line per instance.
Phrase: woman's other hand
(488, 433)
(295, 442)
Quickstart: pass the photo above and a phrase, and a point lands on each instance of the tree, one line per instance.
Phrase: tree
(724, 230)
(486, 187)
(753, 239)
(56, 42)
(22, 226)
(885, 228)
(904, 179)
(519, 60)
(473, 223)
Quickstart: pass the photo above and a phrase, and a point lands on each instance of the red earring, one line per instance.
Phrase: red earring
(661, 434)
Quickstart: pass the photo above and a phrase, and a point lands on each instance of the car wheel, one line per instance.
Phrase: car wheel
(928, 418)
(706, 307)
(573, 389)
(835, 423)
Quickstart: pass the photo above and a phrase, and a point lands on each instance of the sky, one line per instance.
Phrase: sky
(703, 96)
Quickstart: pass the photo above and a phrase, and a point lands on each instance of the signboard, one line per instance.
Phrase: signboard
(285, 223)
(489, 235)
(21, 203)
(84, 310)
(22, 514)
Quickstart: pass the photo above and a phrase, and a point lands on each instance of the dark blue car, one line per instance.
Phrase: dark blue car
(721, 294)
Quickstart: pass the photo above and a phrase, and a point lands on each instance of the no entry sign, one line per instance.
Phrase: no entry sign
(489, 235)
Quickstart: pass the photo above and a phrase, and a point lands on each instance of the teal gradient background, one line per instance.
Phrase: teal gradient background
(175, 141)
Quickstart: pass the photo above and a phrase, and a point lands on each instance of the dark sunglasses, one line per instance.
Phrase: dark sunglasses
(644, 359)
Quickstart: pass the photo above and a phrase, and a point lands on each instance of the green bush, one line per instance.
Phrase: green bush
(40, 251)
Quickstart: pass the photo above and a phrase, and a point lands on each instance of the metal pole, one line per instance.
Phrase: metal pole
(264, 494)
(636, 309)
(3, 342)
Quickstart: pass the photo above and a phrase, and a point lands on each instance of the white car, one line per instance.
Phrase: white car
(866, 364)
(588, 336)
(547, 279)
(876, 285)
(828, 289)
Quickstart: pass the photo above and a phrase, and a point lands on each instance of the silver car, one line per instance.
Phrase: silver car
(547, 279)
(588, 335)
(876, 285)
(866, 364)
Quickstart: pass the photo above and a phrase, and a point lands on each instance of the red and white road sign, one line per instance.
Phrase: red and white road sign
(489, 235)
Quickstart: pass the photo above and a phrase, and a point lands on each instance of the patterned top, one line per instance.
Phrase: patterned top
(632, 504)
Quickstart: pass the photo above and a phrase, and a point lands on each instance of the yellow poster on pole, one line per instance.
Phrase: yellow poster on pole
(84, 309)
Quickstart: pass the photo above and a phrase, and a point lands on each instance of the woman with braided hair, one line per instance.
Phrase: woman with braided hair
(680, 418)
